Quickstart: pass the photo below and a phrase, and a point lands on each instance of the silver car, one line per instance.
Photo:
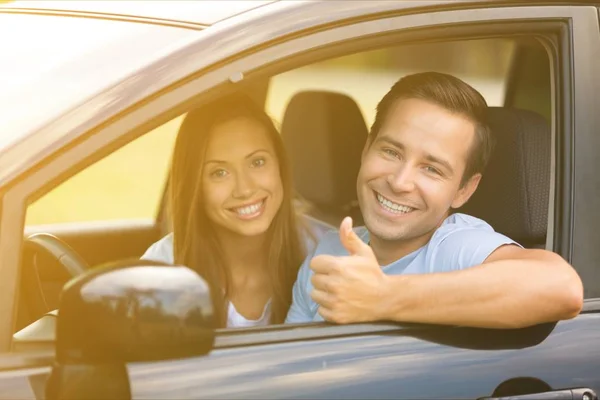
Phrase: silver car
(92, 95)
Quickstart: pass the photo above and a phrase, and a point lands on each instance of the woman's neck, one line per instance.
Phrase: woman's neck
(243, 255)
(246, 259)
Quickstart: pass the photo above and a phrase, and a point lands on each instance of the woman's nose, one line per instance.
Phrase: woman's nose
(244, 187)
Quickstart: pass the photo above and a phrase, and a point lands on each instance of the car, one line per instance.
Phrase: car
(93, 94)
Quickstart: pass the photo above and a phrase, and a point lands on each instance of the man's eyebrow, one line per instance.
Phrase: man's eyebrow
(225, 162)
(443, 163)
(390, 141)
(433, 159)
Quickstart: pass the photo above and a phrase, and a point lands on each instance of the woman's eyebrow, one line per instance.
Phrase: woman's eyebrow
(215, 162)
(256, 151)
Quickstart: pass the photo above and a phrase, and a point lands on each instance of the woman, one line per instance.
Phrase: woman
(234, 220)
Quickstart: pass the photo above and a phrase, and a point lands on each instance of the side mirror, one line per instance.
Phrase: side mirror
(126, 312)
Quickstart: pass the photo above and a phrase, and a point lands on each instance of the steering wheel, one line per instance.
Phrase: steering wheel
(59, 250)
(35, 302)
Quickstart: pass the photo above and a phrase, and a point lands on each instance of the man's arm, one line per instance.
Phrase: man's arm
(512, 288)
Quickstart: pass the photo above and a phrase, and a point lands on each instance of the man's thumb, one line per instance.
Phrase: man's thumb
(351, 241)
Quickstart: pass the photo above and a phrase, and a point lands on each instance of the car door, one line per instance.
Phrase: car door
(392, 360)
(429, 362)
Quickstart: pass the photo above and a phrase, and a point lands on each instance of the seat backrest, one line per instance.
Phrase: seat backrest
(514, 192)
(324, 133)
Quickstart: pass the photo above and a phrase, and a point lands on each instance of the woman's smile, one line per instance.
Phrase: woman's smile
(249, 211)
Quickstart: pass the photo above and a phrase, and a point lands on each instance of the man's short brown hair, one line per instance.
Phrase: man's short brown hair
(453, 95)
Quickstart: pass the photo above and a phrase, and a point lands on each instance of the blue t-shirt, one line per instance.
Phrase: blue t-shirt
(460, 242)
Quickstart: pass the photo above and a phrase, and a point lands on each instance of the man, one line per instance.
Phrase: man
(415, 261)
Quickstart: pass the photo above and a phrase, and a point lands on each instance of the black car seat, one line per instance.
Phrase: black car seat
(324, 133)
(514, 192)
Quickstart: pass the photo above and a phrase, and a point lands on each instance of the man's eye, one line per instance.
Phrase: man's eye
(259, 162)
(391, 152)
(433, 170)
(219, 173)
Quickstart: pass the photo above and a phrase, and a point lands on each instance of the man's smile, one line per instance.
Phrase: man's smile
(392, 207)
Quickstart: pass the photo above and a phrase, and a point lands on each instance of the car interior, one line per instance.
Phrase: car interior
(324, 130)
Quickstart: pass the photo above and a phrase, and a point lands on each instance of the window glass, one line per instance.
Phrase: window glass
(127, 184)
(367, 76)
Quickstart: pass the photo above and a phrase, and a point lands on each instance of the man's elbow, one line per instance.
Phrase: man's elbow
(569, 290)
(572, 301)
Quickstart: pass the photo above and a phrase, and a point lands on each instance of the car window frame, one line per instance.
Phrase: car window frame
(159, 109)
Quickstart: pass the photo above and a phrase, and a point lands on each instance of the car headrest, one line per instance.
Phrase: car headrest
(324, 133)
(514, 191)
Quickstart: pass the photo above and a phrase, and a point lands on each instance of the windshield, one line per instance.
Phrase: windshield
(49, 64)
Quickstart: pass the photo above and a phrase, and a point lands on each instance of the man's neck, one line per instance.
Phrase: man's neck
(389, 251)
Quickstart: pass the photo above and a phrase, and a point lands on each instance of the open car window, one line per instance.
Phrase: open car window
(126, 185)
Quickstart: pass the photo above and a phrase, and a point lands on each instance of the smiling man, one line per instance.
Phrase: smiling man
(415, 260)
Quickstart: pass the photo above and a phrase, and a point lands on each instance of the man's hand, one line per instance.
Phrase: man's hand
(349, 288)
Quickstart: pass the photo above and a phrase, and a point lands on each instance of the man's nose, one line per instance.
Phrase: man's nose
(402, 179)
(244, 186)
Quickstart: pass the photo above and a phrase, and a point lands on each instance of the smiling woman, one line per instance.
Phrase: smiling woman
(234, 220)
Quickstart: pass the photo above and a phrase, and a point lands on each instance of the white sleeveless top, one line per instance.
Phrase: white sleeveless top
(162, 251)
(237, 320)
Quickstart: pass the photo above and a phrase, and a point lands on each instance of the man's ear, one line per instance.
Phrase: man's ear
(466, 191)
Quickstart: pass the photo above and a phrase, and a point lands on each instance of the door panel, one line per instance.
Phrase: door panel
(419, 362)
(24, 384)
(23, 376)
(411, 363)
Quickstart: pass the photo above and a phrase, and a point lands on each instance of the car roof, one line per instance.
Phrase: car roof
(204, 12)
(61, 85)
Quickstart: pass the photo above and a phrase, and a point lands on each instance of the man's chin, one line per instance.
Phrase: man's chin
(384, 230)
(388, 236)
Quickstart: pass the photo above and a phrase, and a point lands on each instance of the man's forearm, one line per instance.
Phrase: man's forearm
(499, 294)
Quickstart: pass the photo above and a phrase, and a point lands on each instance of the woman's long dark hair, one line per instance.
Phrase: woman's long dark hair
(195, 242)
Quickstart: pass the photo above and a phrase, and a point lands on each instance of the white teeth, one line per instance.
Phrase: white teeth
(249, 209)
(393, 207)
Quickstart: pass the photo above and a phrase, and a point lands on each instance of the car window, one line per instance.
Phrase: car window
(127, 184)
(488, 65)
(130, 182)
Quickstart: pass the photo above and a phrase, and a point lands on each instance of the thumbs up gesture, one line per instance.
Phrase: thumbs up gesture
(349, 288)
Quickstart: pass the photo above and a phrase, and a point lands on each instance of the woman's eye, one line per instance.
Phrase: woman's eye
(219, 173)
(259, 162)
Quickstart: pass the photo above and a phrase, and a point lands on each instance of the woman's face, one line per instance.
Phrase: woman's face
(241, 183)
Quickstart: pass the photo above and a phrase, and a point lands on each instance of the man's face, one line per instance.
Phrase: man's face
(411, 172)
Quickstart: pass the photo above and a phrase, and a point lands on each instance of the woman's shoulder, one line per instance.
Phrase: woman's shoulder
(161, 250)
(314, 231)
(318, 227)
